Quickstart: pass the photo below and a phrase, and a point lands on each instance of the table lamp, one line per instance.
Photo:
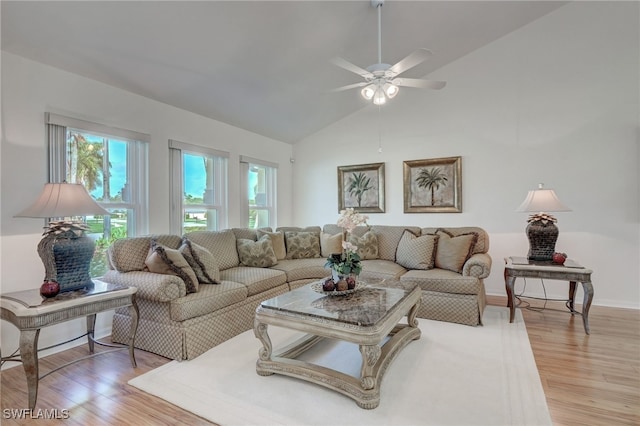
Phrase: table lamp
(542, 230)
(65, 250)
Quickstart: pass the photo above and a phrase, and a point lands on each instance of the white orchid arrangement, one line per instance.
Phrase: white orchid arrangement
(349, 219)
(347, 262)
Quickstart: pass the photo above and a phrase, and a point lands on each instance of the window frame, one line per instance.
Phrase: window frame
(220, 202)
(271, 195)
(137, 207)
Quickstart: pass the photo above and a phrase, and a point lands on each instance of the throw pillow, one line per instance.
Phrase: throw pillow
(417, 252)
(277, 240)
(259, 253)
(163, 260)
(302, 245)
(330, 243)
(201, 261)
(452, 251)
(367, 245)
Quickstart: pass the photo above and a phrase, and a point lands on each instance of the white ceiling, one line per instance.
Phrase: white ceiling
(263, 66)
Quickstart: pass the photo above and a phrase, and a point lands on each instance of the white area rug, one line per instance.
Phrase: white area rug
(453, 375)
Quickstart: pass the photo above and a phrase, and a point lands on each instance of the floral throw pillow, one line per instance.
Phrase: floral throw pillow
(277, 240)
(258, 254)
(163, 260)
(367, 245)
(416, 252)
(302, 245)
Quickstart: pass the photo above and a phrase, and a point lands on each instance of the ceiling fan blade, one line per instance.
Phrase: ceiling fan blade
(350, 86)
(413, 59)
(342, 63)
(421, 84)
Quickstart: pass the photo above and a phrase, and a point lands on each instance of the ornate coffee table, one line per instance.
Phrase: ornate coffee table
(366, 317)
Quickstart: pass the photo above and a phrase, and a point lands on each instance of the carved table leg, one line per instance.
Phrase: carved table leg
(29, 357)
(411, 316)
(264, 353)
(511, 303)
(572, 295)
(587, 288)
(91, 326)
(370, 355)
(134, 314)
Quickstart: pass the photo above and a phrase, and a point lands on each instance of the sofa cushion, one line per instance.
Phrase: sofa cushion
(380, 269)
(256, 280)
(453, 252)
(417, 252)
(164, 260)
(443, 281)
(301, 269)
(201, 261)
(209, 298)
(277, 240)
(221, 244)
(129, 254)
(249, 233)
(256, 253)
(389, 237)
(481, 246)
(302, 245)
(367, 245)
(330, 243)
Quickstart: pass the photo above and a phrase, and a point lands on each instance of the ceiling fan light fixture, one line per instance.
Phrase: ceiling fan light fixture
(368, 92)
(391, 90)
(380, 82)
(379, 98)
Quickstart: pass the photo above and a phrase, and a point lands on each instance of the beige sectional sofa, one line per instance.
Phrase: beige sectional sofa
(179, 323)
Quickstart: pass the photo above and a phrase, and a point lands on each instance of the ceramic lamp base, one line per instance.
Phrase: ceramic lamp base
(542, 240)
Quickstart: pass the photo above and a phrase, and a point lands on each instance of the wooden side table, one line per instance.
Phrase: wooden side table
(571, 271)
(30, 312)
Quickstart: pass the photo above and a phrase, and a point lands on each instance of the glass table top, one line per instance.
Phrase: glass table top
(365, 307)
(31, 298)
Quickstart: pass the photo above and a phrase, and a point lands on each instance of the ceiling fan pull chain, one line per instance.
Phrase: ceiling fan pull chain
(379, 131)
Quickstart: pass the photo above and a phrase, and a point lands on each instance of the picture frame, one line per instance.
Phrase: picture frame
(361, 187)
(433, 185)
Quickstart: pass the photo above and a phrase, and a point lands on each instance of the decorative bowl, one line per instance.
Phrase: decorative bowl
(317, 287)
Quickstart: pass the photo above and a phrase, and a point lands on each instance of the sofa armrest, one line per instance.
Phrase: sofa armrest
(478, 265)
(151, 286)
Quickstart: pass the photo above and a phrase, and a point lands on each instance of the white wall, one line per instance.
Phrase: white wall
(553, 102)
(29, 89)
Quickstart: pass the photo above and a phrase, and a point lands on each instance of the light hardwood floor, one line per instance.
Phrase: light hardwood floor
(588, 380)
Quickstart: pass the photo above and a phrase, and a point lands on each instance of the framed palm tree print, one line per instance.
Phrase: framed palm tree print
(433, 186)
(361, 187)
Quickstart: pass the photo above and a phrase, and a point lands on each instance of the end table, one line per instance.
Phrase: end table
(571, 271)
(30, 312)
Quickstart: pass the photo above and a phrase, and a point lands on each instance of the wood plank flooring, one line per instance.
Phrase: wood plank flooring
(588, 380)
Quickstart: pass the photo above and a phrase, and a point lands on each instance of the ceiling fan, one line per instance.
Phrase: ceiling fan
(381, 80)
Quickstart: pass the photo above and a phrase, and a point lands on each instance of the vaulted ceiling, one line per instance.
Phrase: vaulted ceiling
(263, 66)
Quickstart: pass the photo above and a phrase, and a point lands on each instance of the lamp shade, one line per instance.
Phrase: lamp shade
(63, 200)
(542, 200)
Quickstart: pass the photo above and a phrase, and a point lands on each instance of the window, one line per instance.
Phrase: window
(198, 188)
(111, 163)
(258, 180)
